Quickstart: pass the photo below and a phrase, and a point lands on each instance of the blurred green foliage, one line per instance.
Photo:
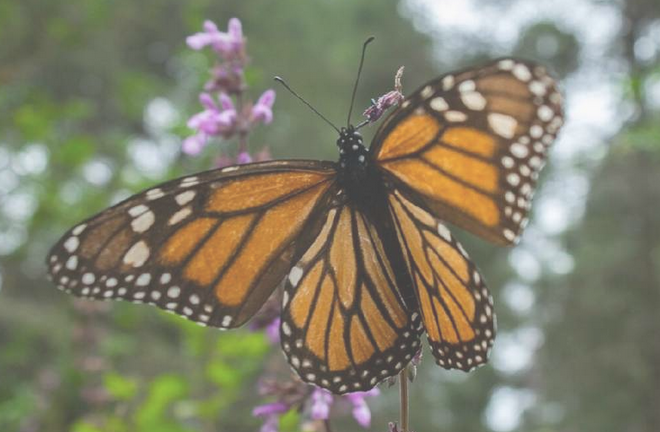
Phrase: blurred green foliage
(94, 97)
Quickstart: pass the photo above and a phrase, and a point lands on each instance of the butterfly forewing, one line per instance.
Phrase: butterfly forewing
(470, 145)
(344, 325)
(210, 247)
(456, 308)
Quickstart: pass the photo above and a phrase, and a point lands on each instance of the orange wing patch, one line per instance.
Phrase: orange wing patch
(344, 324)
(471, 145)
(411, 135)
(246, 194)
(210, 247)
(455, 305)
(470, 140)
(434, 184)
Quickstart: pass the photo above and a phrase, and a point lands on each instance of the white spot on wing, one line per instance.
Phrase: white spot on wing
(143, 222)
(143, 279)
(444, 232)
(180, 215)
(185, 197)
(522, 72)
(455, 116)
(72, 262)
(137, 254)
(506, 64)
(519, 150)
(79, 229)
(447, 82)
(439, 104)
(502, 124)
(71, 244)
(474, 100)
(137, 210)
(155, 194)
(426, 92)
(545, 113)
(295, 275)
(88, 278)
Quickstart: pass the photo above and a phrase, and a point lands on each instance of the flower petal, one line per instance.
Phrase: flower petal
(207, 101)
(270, 409)
(193, 145)
(225, 102)
(235, 29)
(321, 401)
(243, 158)
(267, 98)
(199, 40)
(210, 27)
(362, 414)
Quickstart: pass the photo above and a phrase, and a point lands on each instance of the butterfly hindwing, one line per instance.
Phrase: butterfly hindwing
(471, 144)
(344, 325)
(456, 308)
(210, 247)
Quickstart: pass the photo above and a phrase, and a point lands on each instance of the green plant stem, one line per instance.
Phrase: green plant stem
(403, 394)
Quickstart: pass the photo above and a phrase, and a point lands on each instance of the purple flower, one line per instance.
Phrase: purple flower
(273, 331)
(271, 413)
(193, 145)
(361, 411)
(270, 409)
(389, 99)
(375, 111)
(226, 77)
(216, 119)
(229, 45)
(271, 424)
(321, 402)
(223, 161)
(243, 158)
(262, 110)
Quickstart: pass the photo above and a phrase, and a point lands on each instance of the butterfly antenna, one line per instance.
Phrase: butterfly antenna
(281, 81)
(357, 80)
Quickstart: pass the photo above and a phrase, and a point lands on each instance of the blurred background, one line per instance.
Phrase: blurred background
(94, 99)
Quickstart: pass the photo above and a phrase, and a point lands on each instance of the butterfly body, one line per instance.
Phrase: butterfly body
(361, 245)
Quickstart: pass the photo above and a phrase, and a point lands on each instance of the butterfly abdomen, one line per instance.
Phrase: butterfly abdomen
(364, 189)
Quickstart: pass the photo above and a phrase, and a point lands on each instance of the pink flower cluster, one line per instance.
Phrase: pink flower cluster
(226, 113)
(316, 403)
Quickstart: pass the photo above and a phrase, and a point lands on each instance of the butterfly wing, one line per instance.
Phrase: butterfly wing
(470, 145)
(210, 247)
(456, 308)
(344, 325)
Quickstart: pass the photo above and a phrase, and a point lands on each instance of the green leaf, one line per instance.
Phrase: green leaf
(163, 391)
(223, 375)
(83, 426)
(120, 387)
(243, 344)
(75, 151)
(289, 421)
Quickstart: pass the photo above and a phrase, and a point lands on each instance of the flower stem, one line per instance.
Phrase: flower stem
(326, 423)
(403, 394)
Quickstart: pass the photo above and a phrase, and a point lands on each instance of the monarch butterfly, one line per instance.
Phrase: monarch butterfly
(362, 245)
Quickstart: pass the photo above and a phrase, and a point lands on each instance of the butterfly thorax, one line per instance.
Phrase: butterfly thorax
(354, 172)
